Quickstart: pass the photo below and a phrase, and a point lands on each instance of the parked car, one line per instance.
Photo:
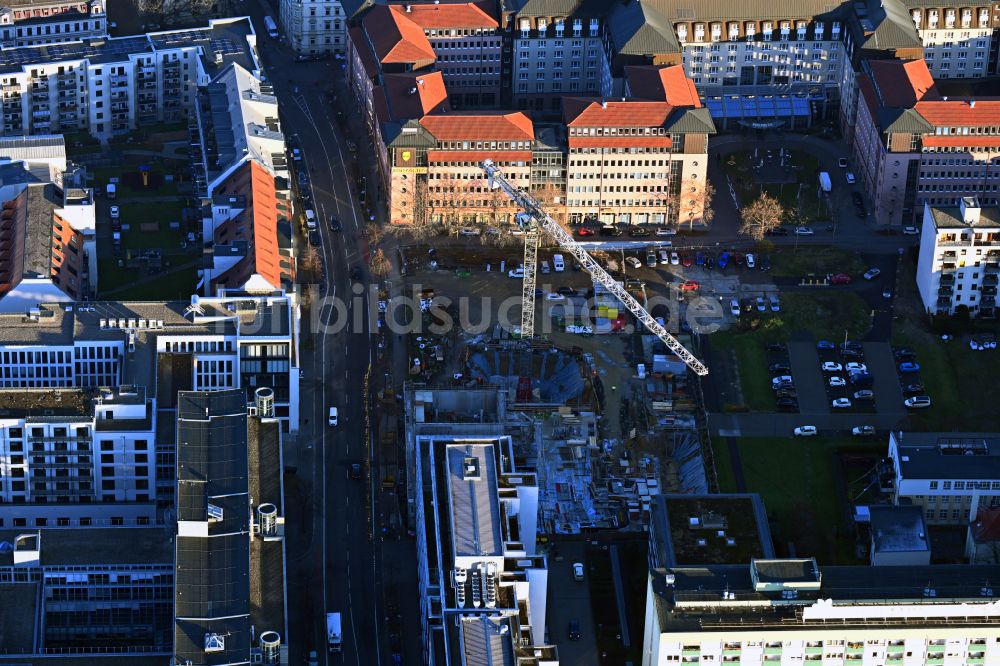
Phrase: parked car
(723, 260)
(840, 403)
(674, 259)
(578, 571)
(666, 231)
(690, 285)
(781, 379)
(918, 402)
(787, 404)
(850, 178)
(734, 307)
(830, 366)
(780, 367)
(638, 232)
(775, 304)
(611, 230)
(842, 162)
(566, 291)
(114, 212)
(825, 344)
(633, 262)
(468, 231)
(751, 261)
(687, 260)
(872, 273)
(765, 262)
(806, 431)
(909, 366)
(911, 231)
(864, 394)
(863, 431)
(651, 259)
(314, 239)
(837, 381)
(861, 379)
(903, 354)
(516, 273)
(840, 278)
(803, 231)
(857, 367)
(778, 231)
(786, 393)
(574, 630)
(584, 231)
(914, 389)
(552, 296)
(709, 262)
(761, 304)
(699, 259)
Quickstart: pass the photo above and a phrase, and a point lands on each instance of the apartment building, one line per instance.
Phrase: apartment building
(959, 262)
(556, 49)
(958, 40)
(482, 581)
(314, 27)
(111, 86)
(244, 176)
(93, 448)
(793, 610)
(950, 475)
(35, 22)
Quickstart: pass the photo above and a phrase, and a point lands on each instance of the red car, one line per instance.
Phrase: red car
(840, 278)
(688, 261)
(584, 231)
(690, 285)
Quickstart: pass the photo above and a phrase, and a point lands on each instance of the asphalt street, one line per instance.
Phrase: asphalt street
(335, 552)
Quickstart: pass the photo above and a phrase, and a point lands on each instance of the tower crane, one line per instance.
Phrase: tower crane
(532, 220)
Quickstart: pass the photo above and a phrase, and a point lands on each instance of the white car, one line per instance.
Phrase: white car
(333, 419)
(468, 231)
(666, 231)
(552, 296)
(850, 178)
(775, 304)
(761, 305)
(734, 307)
(863, 431)
(115, 212)
(781, 379)
(675, 259)
(872, 273)
(751, 261)
(857, 367)
(840, 403)
(803, 231)
(633, 262)
(911, 231)
(837, 381)
(918, 402)
(830, 366)
(806, 431)
(516, 273)
(578, 571)
(664, 258)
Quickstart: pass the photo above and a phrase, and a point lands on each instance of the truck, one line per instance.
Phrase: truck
(824, 181)
(272, 27)
(334, 638)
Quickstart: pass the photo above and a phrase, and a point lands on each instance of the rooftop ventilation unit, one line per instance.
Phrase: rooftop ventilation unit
(215, 513)
(270, 647)
(470, 469)
(267, 516)
(215, 643)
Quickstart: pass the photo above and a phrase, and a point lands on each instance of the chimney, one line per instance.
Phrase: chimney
(945, 98)
(420, 82)
(969, 207)
(604, 104)
(409, 8)
(972, 103)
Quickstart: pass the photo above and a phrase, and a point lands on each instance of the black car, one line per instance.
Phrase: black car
(788, 405)
(303, 179)
(765, 262)
(335, 224)
(851, 353)
(574, 630)
(610, 231)
(566, 291)
(786, 393)
(355, 471)
(314, 239)
(781, 368)
(857, 199)
(638, 232)
(914, 388)
(778, 231)
(904, 355)
(776, 347)
(356, 274)
(709, 262)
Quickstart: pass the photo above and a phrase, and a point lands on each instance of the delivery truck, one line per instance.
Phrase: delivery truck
(334, 637)
(824, 181)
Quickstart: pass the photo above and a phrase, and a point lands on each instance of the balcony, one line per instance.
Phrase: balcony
(989, 291)
(944, 302)
(991, 269)
(944, 291)
(988, 302)
(147, 84)
(67, 84)
(990, 279)
(948, 279)
(948, 268)
(41, 85)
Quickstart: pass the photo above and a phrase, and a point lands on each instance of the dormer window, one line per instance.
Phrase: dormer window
(525, 28)
(560, 28)
(716, 31)
(577, 27)
(836, 29)
(819, 29)
(751, 31)
(916, 17)
(593, 27)
(542, 27)
(734, 30)
(682, 32)
(966, 18)
(699, 32)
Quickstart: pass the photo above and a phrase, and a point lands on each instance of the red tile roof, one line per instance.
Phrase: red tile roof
(497, 156)
(482, 126)
(903, 83)
(962, 141)
(414, 95)
(633, 113)
(669, 84)
(961, 113)
(620, 142)
(395, 38)
(356, 36)
(450, 15)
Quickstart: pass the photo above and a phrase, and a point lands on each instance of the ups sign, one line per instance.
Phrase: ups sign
(406, 157)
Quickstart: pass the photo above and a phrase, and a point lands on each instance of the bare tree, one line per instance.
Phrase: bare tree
(379, 264)
(761, 216)
(310, 262)
(693, 202)
(374, 234)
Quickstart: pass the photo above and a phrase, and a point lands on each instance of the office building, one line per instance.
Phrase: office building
(482, 580)
(949, 475)
(35, 22)
(958, 40)
(959, 263)
(111, 86)
(314, 27)
(793, 611)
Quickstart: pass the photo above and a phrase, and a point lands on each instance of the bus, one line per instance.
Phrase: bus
(272, 27)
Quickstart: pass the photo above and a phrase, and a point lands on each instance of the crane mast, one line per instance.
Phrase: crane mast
(533, 218)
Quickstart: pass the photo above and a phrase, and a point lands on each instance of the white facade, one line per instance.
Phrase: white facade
(314, 27)
(51, 21)
(956, 40)
(959, 259)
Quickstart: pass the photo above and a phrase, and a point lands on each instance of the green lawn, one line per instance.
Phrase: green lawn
(803, 200)
(175, 286)
(101, 177)
(797, 479)
(816, 261)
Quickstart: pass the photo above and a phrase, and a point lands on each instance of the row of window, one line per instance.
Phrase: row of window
(966, 485)
(83, 521)
(557, 87)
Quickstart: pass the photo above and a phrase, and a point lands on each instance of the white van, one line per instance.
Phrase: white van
(112, 190)
(333, 416)
(310, 219)
(557, 263)
(545, 267)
